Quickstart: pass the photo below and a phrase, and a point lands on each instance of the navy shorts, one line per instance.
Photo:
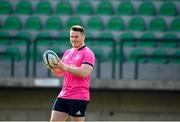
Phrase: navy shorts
(73, 107)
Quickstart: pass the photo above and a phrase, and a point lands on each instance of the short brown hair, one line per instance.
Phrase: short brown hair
(77, 28)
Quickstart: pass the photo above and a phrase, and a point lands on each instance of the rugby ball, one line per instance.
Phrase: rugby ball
(50, 57)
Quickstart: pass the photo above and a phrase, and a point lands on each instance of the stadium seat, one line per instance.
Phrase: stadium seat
(64, 8)
(175, 24)
(159, 60)
(168, 9)
(57, 50)
(64, 41)
(73, 20)
(88, 40)
(43, 7)
(43, 42)
(106, 39)
(22, 42)
(104, 8)
(146, 8)
(168, 36)
(38, 55)
(176, 60)
(128, 36)
(12, 23)
(15, 51)
(95, 23)
(136, 24)
(98, 53)
(33, 23)
(135, 53)
(84, 8)
(125, 8)
(157, 24)
(110, 55)
(4, 42)
(115, 23)
(5, 7)
(53, 23)
(148, 35)
(23, 7)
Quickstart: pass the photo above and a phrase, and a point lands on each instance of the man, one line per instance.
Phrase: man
(76, 67)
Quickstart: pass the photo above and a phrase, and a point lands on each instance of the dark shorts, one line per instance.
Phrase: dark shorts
(75, 108)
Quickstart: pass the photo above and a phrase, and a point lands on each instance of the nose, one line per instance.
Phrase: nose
(72, 40)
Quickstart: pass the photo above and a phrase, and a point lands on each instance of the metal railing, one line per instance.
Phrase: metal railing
(137, 42)
(122, 45)
(139, 57)
(16, 38)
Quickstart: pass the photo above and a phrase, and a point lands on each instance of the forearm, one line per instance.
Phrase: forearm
(83, 71)
(78, 71)
(57, 72)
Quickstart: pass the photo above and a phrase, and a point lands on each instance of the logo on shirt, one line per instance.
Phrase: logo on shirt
(78, 113)
(77, 57)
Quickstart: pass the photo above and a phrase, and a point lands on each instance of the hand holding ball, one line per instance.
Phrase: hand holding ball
(49, 58)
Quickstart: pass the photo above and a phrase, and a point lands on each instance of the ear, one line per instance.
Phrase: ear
(84, 37)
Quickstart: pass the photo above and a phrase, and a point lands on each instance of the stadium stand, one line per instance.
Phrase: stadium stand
(104, 8)
(41, 40)
(64, 8)
(136, 52)
(12, 23)
(95, 23)
(106, 39)
(160, 60)
(33, 23)
(53, 23)
(22, 42)
(136, 24)
(118, 20)
(5, 7)
(125, 8)
(73, 20)
(176, 53)
(169, 44)
(148, 35)
(23, 7)
(4, 42)
(84, 8)
(43, 8)
(15, 51)
(168, 9)
(115, 23)
(157, 24)
(146, 8)
(37, 54)
(175, 24)
(129, 36)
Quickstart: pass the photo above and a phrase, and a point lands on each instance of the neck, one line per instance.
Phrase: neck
(81, 47)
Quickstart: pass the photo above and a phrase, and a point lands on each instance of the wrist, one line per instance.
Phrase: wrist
(66, 67)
